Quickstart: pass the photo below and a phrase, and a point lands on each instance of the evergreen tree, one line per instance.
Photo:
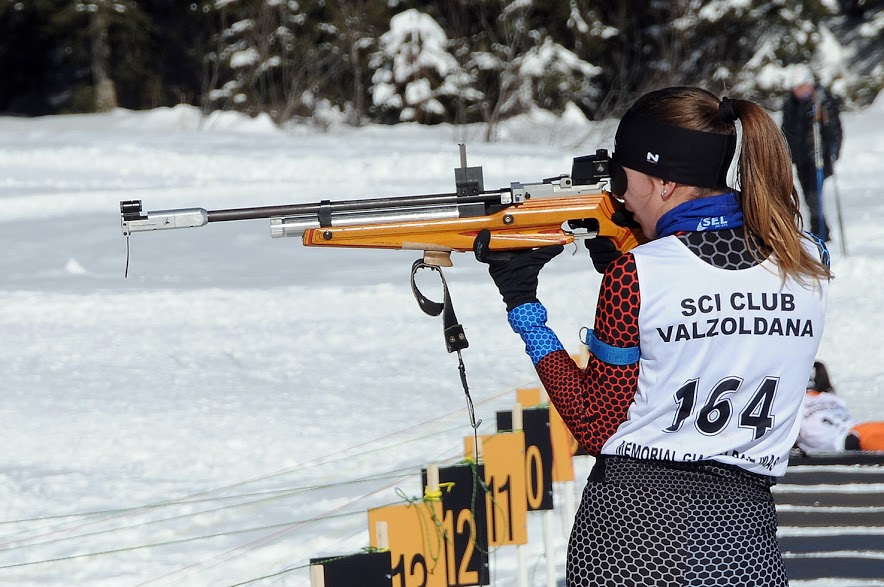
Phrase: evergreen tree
(415, 77)
(106, 46)
(351, 39)
(728, 46)
(73, 55)
(512, 59)
(629, 42)
(452, 61)
(28, 63)
(292, 59)
(250, 70)
(180, 38)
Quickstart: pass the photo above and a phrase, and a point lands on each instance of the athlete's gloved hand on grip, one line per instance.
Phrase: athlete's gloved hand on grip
(602, 251)
(514, 272)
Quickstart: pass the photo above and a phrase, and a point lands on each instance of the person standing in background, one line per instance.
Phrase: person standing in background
(807, 105)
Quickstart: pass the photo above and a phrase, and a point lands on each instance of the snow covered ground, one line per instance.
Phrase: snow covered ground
(233, 407)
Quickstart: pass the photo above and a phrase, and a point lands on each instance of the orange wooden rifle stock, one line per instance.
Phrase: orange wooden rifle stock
(558, 210)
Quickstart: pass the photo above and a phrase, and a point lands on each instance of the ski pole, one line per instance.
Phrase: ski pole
(818, 162)
(838, 207)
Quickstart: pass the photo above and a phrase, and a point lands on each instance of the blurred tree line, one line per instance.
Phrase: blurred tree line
(406, 60)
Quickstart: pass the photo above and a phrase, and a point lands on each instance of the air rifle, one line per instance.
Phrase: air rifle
(557, 210)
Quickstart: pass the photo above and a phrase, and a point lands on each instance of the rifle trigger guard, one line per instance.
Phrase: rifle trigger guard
(455, 339)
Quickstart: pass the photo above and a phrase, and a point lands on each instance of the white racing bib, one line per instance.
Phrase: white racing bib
(826, 423)
(724, 361)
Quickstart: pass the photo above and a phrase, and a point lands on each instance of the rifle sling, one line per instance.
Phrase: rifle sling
(455, 339)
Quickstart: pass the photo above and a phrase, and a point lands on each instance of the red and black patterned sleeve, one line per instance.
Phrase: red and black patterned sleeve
(593, 401)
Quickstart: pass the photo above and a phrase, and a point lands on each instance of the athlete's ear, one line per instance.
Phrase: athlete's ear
(667, 188)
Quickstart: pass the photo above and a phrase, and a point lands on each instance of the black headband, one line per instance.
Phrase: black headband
(673, 153)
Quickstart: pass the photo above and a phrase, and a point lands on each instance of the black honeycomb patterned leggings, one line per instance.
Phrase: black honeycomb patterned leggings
(667, 524)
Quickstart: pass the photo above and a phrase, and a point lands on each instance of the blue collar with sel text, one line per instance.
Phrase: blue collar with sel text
(709, 213)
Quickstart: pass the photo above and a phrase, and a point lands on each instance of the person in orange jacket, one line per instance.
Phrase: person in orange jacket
(827, 425)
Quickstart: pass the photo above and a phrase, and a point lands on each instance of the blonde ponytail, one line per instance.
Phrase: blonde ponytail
(771, 208)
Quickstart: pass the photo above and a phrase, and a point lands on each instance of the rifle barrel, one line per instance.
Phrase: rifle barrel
(317, 208)
(297, 217)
